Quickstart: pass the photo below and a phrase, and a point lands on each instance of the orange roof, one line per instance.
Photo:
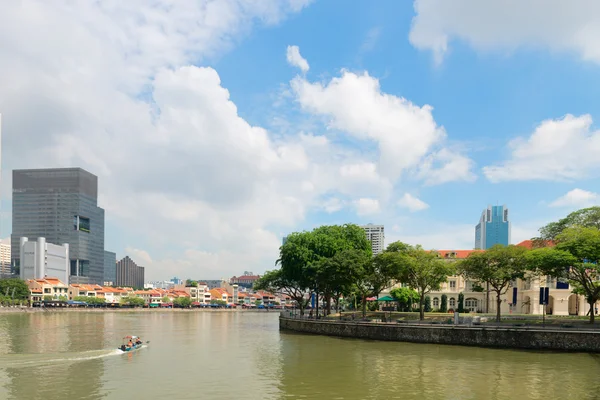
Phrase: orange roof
(36, 290)
(456, 253)
(529, 244)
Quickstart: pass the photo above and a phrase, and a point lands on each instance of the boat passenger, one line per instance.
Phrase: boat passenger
(130, 344)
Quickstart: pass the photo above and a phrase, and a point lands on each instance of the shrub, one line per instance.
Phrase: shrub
(427, 304)
(444, 304)
(461, 303)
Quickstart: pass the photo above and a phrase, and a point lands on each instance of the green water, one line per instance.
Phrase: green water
(242, 355)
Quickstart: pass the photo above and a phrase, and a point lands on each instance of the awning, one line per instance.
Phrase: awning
(371, 298)
(386, 298)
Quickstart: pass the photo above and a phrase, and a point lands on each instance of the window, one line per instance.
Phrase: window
(452, 302)
(452, 285)
(471, 304)
(81, 223)
(436, 302)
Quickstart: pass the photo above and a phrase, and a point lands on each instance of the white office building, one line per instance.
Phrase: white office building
(40, 260)
(375, 235)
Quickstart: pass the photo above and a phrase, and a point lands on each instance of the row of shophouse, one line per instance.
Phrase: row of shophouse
(52, 289)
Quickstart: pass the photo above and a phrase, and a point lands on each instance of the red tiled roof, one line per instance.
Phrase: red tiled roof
(529, 244)
(456, 253)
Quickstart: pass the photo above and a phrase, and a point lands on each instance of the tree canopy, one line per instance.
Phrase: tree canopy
(498, 267)
(405, 297)
(14, 288)
(586, 217)
(575, 257)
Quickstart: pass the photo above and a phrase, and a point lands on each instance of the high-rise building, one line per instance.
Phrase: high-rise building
(41, 259)
(493, 228)
(375, 235)
(61, 205)
(284, 240)
(129, 274)
(110, 268)
(4, 259)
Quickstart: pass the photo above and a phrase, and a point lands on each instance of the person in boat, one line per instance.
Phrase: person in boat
(138, 341)
(130, 344)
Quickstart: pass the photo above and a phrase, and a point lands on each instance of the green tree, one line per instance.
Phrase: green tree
(444, 304)
(405, 297)
(191, 283)
(498, 267)
(219, 302)
(427, 304)
(14, 288)
(372, 275)
(461, 303)
(277, 282)
(90, 300)
(47, 297)
(132, 301)
(422, 270)
(575, 257)
(166, 300)
(586, 217)
(183, 302)
(63, 298)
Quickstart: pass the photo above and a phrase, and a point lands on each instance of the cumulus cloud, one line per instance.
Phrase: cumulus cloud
(367, 206)
(506, 25)
(578, 198)
(107, 86)
(560, 149)
(412, 203)
(405, 133)
(295, 59)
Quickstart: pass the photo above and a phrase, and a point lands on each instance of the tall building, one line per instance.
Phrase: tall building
(41, 259)
(110, 268)
(284, 240)
(493, 228)
(129, 274)
(375, 235)
(5, 259)
(61, 205)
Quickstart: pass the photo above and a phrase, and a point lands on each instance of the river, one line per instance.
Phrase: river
(242, 355)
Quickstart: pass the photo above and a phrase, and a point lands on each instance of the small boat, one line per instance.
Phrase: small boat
(136, 343)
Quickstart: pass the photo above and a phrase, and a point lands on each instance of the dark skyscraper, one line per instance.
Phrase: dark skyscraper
(129, 274)
(110, 267)
(62, 206)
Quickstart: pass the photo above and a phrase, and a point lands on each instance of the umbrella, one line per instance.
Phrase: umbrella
(386, 298)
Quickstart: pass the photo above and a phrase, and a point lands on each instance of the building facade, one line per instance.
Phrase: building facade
(110, 268)
(5, 263)
(245, 281)
(128, 273)
(493, 228)
(40, 260)
(61, 205)
(376, 236)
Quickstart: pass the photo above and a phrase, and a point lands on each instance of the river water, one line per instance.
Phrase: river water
(242, 355)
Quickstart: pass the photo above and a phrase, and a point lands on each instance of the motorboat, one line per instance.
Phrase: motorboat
(135, 341)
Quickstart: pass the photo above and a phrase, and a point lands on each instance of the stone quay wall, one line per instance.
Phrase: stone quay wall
(571, 340)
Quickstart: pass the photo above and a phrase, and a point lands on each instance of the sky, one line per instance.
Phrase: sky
(218, 127)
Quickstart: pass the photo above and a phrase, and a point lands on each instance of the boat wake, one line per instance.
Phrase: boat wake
(28, 360)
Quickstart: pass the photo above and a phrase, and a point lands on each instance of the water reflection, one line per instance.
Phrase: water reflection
(243, 355)
(320, 367)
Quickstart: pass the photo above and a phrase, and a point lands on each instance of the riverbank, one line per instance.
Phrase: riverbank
(25, 310)
(569, 340)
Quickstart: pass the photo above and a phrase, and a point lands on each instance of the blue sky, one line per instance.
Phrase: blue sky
(210, 145)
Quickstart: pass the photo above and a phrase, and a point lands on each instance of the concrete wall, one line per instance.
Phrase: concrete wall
(518, 338)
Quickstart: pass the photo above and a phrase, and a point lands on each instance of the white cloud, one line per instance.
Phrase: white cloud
(446, 166)
(561, 149)
(367, 206)
(506, 25)
(371, 39)
(333, 205)
(412, 203)
(577, 198)
(107, 86)
(295, 59)
(405, 133)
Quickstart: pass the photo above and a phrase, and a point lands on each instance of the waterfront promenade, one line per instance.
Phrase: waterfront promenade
(551, 337)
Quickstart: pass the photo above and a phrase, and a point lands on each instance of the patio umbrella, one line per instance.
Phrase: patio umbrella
(387, 299)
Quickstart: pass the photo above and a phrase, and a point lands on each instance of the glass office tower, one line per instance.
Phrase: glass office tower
(61, 205)
(493, 228)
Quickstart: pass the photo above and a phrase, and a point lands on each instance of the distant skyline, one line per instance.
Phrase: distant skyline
(217, 128)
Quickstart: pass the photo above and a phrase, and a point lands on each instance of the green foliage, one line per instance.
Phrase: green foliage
(422, 270)
(183, 302)
(576, 258)
(219, 302)
(498, 267)
(132, 301)
(257, 302)
(63, 298)
(427, 304)
(14, 288)
(191, 283)
(444, 304)
(92, 301)
(47, 298)
(461, 303)
(586, 217)
(405, 297)
(373, 306)
(165, 300)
